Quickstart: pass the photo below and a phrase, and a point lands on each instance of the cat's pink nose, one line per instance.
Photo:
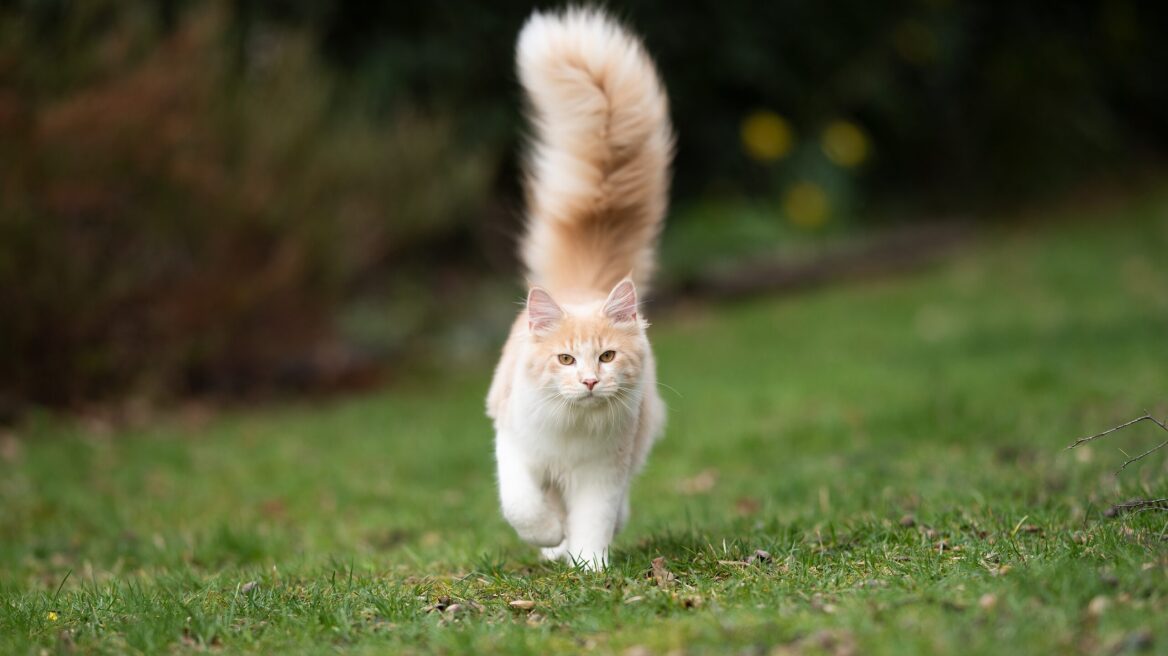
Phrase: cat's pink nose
(589, 383)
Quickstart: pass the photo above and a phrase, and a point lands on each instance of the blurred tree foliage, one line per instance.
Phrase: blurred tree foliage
(961, 99)
(191, 188)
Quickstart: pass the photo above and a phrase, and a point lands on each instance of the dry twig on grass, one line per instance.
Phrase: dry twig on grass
(1136, 505)
(1147, 416)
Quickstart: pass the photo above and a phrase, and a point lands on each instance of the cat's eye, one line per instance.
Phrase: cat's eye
(607, 356)
(566, 359)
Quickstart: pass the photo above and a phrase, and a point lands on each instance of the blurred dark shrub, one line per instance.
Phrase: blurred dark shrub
(171, 220)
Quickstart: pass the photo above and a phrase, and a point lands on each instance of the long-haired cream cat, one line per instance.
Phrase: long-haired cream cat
(574, 398)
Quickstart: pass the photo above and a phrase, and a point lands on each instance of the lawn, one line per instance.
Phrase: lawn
(896, 447)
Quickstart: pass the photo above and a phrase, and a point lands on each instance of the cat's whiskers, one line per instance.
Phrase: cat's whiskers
(624, 403)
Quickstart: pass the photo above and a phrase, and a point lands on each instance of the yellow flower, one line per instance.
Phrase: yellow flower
(52, 616)
(766, 136)
(845, 143)
(806, 204)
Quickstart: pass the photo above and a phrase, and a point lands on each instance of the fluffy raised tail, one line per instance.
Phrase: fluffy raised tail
(598, 168)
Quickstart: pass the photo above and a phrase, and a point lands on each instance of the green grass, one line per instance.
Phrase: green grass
(810, 427)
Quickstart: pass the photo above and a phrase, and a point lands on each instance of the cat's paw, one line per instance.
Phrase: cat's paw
(558, 552)
(544, 530)
(536, 522)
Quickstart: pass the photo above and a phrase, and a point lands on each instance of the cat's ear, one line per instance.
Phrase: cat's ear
(621, 305)
(543, 313)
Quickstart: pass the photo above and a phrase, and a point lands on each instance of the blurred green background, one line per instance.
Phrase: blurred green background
(236, 199)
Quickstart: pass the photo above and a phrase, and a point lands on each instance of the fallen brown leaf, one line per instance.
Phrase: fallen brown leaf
(661, 574)
(747, 505)
(1098, 606)
(819, 603)
(438, 606)
(759, 556)
(836, 643)
(700, 483)
(274, 508)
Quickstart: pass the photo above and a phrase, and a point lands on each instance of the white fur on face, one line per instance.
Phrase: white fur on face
(568, 380)
(585, 334)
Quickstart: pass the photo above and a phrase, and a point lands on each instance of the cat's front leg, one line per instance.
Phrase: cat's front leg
(594, 503)
(525, 503)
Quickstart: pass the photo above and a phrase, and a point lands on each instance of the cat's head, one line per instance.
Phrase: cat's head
(586, 353)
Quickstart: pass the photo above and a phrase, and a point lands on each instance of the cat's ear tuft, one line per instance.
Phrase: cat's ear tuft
(543, 313)
(621, 305)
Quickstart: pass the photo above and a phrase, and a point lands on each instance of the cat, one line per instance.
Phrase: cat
(574, 397)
